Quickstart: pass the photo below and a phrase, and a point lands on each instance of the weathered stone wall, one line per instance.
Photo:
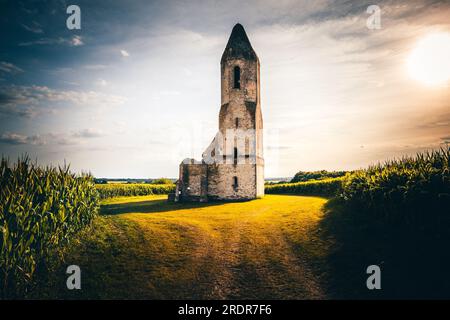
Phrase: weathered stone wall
(193, 182)
(221, 181)
(249, 85)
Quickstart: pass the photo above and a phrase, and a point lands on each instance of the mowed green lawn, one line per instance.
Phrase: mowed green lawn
(147, 248)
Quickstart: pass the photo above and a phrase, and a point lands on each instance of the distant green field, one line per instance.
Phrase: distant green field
(111, 190)
(326, 187)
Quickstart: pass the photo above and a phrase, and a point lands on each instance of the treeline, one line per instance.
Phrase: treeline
(40, 210)
(303, 176)
(130, 190)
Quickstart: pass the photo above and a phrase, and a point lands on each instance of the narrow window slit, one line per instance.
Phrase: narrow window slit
(237, 78)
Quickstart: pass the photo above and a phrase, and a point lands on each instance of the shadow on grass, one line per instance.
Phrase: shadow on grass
(414, 263)
(152, 206)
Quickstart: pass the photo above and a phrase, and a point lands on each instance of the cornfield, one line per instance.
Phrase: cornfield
(40, 209)
(412, 190)
(324, 187)
(128, 190)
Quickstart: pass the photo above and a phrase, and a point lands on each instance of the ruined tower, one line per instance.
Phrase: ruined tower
(232, 167)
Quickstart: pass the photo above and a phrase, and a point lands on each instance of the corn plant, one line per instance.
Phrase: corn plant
(40, 209)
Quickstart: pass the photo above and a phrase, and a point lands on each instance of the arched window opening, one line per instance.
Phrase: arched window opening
(237, 78)
(235, 156)
(236, 122)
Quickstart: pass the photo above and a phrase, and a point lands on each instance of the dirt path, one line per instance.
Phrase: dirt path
(246, 270)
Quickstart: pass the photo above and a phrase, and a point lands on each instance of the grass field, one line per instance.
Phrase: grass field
(146, 248)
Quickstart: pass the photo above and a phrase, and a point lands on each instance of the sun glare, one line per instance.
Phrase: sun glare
(429, 62)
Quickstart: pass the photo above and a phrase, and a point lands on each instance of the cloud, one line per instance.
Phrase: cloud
(88, 133)
(13, 138)
(24, 100)
(75, 41)
(124, 53)
(44, 41)
(34, 27)
(95, 67)
(17, 139)
(101, 82)
(9, 68)
(18, 111)
(28, 11)
(52, 138)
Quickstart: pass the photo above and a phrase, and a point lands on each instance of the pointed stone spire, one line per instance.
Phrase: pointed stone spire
(238, 45)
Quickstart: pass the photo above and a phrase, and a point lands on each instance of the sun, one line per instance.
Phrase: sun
(429, 61)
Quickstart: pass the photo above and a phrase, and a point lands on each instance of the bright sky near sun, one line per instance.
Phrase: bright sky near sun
(429, 61)
(137, 89)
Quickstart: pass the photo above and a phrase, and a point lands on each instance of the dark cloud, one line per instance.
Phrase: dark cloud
(73, 41)
(29, 101)
(12, 104)
(74, 138)
(33, 27)
(7, 98)
(17, 139)
(21, 95)
(18, 111)
(9, 68)
(12, 138)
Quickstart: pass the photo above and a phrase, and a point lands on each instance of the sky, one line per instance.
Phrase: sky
(137, 89)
